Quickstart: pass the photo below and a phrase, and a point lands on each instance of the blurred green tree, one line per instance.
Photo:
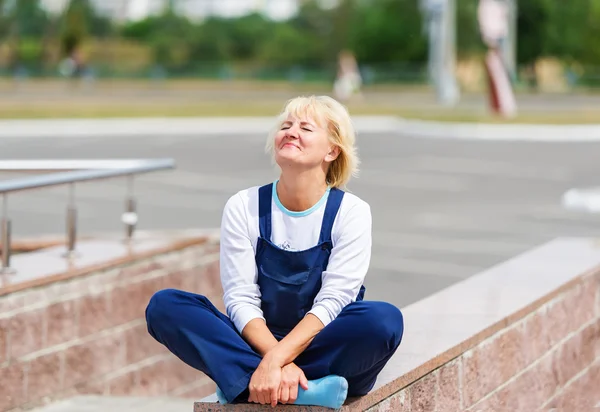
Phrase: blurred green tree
(533, 21)
(288, 46)
(212, 42)
(313, 24)
(247, 34)
(171, 41)
(379, 32)
(468, 38)
(23, 23)
(562, 35)
(79, 21)
(29, 17)
(590, 48)
(388, 31)
(141, 30)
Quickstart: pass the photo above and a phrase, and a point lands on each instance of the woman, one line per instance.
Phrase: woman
(294, 255)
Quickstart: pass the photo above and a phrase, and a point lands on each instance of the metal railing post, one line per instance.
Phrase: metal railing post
(71, 222)
(130, 217)
(5, 232)
(72, 172)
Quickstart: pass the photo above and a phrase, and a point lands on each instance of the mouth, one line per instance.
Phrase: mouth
(288, 144)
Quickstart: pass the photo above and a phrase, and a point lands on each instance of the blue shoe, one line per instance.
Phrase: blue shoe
(329, 392)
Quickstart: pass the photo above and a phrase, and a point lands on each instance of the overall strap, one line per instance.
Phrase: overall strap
(334, 200)
(264, 210)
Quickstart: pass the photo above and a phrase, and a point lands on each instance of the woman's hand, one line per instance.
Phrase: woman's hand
(291, 377)
(265, 382)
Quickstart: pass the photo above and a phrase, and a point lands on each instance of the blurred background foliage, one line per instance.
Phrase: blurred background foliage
(387, 37)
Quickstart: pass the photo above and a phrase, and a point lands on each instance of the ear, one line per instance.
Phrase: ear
(334, 152)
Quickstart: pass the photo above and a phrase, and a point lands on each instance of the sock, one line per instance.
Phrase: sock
(221, 397)
(330, 392)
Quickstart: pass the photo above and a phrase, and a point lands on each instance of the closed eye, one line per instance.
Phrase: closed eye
(304, 128)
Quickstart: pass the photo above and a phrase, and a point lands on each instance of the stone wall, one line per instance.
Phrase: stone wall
(550, 359)
(523, 335)
(87, 334)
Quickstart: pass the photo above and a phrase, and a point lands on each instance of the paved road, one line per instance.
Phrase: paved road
(443, 210)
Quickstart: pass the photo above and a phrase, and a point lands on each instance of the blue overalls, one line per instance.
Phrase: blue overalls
(289, 281)
(355, 345)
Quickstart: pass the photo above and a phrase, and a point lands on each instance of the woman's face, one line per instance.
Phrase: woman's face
(303, 142)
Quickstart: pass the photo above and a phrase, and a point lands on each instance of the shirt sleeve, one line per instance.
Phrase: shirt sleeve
(241, 294)
(348, 264)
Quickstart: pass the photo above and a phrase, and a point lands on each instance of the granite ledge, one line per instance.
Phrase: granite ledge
(464, 314)
(94, 253)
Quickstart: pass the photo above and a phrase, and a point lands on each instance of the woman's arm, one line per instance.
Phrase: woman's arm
(341, 282)
(241, 294)
(288, 349)
(258, 335)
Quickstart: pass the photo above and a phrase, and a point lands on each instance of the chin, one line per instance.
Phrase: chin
(287, 161)
(286, 156)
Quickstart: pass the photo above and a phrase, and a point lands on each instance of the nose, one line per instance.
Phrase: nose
(292, 131)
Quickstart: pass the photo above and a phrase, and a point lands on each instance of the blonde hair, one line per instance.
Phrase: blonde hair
(334, 117)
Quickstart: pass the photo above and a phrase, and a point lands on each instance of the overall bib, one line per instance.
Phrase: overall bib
(289, 281)
(356, 344)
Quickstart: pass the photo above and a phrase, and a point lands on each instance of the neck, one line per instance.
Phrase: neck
(301, 191)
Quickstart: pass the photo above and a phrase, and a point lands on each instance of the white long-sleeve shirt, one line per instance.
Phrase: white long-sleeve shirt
(348, 262)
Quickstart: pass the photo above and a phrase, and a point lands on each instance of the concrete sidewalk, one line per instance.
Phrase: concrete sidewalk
(95, 403)
(193, 126)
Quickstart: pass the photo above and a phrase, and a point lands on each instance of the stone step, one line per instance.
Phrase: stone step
(93, 403)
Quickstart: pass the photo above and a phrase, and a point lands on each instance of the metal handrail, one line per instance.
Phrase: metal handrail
(54, 179)
(78, 164)
(78, 171)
